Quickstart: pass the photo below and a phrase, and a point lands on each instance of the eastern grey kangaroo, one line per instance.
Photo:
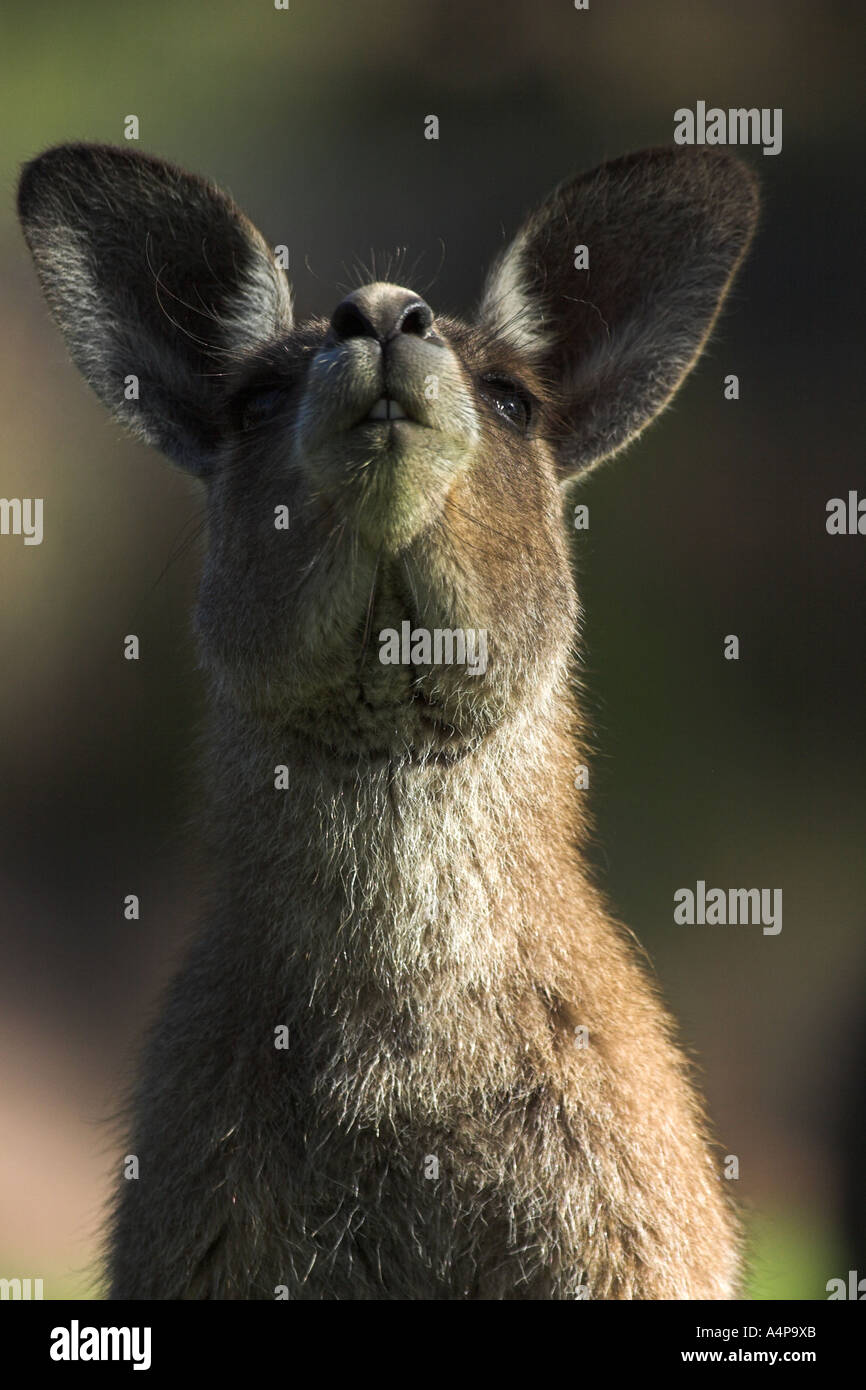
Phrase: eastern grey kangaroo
(411, 1055)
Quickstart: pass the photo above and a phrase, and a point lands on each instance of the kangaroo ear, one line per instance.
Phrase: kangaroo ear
(664, 232)
(155, 274)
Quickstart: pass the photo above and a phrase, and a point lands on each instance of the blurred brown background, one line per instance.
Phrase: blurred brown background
(744, 773)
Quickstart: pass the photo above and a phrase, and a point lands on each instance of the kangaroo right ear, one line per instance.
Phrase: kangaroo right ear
(155, 274)
(612, 286)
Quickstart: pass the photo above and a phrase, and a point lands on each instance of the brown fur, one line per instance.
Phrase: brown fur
(414, 909)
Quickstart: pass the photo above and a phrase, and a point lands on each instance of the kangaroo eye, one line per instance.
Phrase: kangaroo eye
(508, 399)
(259, 405)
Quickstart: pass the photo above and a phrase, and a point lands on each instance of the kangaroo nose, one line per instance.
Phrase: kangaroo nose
(381, 311)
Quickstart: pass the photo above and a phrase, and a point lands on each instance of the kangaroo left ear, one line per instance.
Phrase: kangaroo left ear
(151, 273)
(616, 327)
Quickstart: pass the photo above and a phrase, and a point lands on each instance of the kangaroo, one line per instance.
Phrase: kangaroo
(411, 1054)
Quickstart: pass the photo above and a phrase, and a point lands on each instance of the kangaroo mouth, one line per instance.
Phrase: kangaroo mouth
(387, 410)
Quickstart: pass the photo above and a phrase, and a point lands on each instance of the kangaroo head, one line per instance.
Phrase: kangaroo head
(387, 464)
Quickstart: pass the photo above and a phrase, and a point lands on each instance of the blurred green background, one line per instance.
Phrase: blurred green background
(744, 773)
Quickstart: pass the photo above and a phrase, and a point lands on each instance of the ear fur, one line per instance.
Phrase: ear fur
(154, 273)
(665, 231)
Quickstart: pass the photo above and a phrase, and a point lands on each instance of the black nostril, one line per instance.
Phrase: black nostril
(381, 311)
(349, 321)
(416, 318)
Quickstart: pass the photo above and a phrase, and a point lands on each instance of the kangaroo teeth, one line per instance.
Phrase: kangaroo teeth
(386, 409)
